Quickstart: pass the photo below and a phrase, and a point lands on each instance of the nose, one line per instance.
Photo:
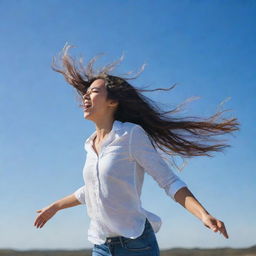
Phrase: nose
(86, 96)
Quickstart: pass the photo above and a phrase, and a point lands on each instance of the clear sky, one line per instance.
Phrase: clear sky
(208, 47)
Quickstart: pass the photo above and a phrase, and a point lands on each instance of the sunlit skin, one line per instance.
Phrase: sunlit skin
(101, 112)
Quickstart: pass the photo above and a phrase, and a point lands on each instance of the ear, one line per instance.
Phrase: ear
(113, 103)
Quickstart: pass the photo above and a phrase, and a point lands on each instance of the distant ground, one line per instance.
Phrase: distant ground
(251, 251)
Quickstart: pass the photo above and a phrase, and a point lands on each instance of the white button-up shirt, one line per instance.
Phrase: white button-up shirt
(113, 182)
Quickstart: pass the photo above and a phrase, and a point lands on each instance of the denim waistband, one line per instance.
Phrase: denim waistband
(120, 239)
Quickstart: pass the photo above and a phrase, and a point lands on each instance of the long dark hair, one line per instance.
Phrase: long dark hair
(184, 136)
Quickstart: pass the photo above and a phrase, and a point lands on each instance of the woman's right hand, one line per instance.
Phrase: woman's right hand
(44, 215)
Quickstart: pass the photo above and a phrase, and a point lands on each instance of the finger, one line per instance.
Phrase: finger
(213, 227)
(222, 228)
(39, 211)
(42, 224)
(35, 222)
(38, 225)
(39, 221)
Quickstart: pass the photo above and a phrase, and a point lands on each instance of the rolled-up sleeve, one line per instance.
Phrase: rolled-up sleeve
(80, 195)
(143, 152)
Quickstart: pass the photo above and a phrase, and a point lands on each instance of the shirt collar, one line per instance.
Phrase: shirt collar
(116, 126)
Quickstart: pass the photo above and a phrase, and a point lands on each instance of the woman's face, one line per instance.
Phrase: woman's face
(96, 105)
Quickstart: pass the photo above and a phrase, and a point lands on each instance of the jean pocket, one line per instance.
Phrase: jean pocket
(138, 244)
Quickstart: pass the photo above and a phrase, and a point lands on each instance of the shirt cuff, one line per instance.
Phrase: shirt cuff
(80, 196)
(173, 188)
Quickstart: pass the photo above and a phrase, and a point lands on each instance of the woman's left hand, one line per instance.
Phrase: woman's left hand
(214, 224)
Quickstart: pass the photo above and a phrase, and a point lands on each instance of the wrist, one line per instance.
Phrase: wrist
(56, 206)
(204, 214)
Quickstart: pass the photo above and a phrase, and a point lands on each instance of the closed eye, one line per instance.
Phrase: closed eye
(90, 91)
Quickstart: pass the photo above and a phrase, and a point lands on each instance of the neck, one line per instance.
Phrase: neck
(103, 127)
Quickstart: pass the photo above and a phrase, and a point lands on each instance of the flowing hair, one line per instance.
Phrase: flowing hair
(182, 136)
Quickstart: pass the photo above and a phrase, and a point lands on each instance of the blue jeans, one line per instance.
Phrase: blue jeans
(144, 245)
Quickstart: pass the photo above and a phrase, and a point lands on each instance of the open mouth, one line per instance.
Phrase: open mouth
(87, 106)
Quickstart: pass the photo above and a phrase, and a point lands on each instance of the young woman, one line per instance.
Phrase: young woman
(131, 135)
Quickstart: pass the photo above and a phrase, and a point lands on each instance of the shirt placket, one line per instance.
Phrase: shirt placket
(96, 176)
(97, 190)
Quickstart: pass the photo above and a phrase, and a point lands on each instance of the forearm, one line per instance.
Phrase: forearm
(185, 198)
(66, 202)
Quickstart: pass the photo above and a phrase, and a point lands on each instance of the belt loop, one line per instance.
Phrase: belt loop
(121, 241)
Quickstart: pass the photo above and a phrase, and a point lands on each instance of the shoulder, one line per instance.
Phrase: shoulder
(135, 132)
(130, 127)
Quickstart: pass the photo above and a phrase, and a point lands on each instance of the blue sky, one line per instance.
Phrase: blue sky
(208, 47)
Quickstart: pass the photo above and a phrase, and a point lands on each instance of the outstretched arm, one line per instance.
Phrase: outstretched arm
(142, 151)
(48, 212)
(184, 197)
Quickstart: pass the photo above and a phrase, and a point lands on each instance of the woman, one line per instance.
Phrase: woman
(131, 135)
